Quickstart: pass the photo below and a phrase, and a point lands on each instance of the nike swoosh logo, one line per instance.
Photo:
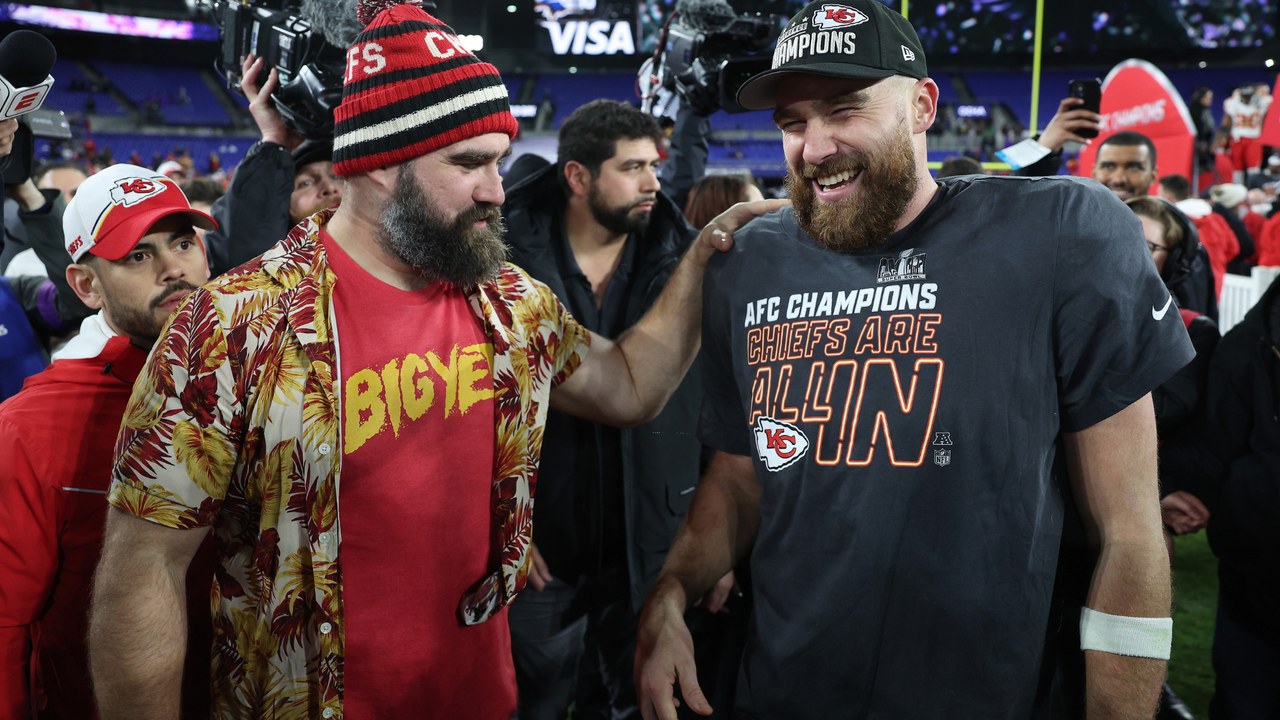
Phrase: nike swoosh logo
(1159, 314)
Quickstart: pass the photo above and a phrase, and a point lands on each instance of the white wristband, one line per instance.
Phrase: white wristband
(1121, 635)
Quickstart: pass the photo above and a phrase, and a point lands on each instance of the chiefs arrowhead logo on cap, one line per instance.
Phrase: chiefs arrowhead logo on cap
(130, 191)
(779, 444)
(830, 17)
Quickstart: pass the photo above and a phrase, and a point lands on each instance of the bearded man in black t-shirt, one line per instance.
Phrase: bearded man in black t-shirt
(905, 380)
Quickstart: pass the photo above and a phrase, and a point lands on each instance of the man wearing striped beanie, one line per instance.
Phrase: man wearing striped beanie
(387, 347)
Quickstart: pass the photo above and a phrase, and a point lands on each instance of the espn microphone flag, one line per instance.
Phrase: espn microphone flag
(26, 59)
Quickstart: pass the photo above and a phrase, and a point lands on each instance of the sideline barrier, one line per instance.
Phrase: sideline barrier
(1240, 294)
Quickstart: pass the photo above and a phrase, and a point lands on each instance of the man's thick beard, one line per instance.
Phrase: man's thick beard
(618, 220)
(868, 216)
(415, 230)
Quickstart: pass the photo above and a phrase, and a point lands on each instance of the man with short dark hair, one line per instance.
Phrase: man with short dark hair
(1175, 188)
(63, 175)
(903, 387)
(598, 230)
(1126, 164)
(960, 165)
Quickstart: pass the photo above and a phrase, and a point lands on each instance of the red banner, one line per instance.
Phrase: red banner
(1271, 125)
(1137, 97)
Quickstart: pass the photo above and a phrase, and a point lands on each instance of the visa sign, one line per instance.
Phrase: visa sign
(591, 37)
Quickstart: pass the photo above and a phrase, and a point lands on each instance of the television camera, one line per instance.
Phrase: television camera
(706, 53)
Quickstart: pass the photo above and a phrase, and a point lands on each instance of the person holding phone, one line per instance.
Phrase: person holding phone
(1074, 122)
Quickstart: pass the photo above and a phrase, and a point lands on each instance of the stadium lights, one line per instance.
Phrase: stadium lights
(511, 8)
(1203, 64)
(474, 43)
(1270, 62)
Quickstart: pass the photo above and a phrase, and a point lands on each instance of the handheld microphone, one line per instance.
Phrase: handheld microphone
(26, 59)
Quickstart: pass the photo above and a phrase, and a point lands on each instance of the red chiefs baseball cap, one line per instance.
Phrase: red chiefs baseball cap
(114, 208)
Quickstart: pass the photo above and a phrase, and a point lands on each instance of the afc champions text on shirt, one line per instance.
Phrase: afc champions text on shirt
(833, 345)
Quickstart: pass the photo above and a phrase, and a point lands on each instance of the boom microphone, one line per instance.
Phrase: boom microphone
(26, 58)
(706, 16)
(334, 19)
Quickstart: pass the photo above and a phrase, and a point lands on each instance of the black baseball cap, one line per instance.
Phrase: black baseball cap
(312, 151)
(849, 38)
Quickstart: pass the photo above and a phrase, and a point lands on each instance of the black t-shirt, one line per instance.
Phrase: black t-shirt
(902, 407)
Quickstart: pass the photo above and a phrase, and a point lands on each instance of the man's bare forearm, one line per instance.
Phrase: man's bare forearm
(1131, 580)
(659, 349)
(138, 632)
(1113, 472)
(716, 534)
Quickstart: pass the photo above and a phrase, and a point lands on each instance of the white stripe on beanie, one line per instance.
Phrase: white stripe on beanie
(419, 117)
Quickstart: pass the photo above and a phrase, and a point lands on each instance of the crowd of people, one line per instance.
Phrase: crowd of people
(270, 443)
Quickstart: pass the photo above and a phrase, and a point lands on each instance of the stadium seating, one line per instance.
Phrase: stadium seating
(230, 149)
(163, 85)
(73, 102)
(573, 90)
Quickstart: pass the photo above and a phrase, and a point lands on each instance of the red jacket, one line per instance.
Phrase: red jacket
(1216, 236)
(57, 441)
(1269, 243)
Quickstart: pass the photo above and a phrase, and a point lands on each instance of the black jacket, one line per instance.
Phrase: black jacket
(660, 459)
(254, 214)
(44, 236)
(1235, 462)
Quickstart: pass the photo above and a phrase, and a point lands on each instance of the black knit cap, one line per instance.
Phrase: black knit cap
(851, 39)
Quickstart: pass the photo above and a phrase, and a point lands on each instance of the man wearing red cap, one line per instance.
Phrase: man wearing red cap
(130, 233)
(358, 414)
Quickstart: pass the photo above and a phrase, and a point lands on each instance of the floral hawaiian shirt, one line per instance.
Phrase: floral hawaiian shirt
(234, 423)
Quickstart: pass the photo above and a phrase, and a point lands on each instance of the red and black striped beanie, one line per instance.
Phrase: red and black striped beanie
(411, 88)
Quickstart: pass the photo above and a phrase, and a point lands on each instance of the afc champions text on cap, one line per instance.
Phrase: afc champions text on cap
(853, 39)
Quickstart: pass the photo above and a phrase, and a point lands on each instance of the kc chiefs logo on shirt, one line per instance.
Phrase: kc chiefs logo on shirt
(132, 190)
(779, 444)
(830, 17)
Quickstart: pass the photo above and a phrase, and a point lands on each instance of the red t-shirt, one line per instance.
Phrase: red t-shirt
(414, 501)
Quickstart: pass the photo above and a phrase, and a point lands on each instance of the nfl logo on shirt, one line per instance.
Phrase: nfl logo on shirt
(941, 457)
(779, 444)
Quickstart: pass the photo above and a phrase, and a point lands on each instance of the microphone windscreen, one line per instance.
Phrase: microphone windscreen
(705, 15)
(26, 58)
(334, 19)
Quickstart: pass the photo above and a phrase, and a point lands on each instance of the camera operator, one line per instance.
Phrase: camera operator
(281, 181)
(687, 153)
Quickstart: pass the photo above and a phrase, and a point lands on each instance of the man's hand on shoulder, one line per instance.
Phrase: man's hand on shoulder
(718, 234)
(626, 383)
